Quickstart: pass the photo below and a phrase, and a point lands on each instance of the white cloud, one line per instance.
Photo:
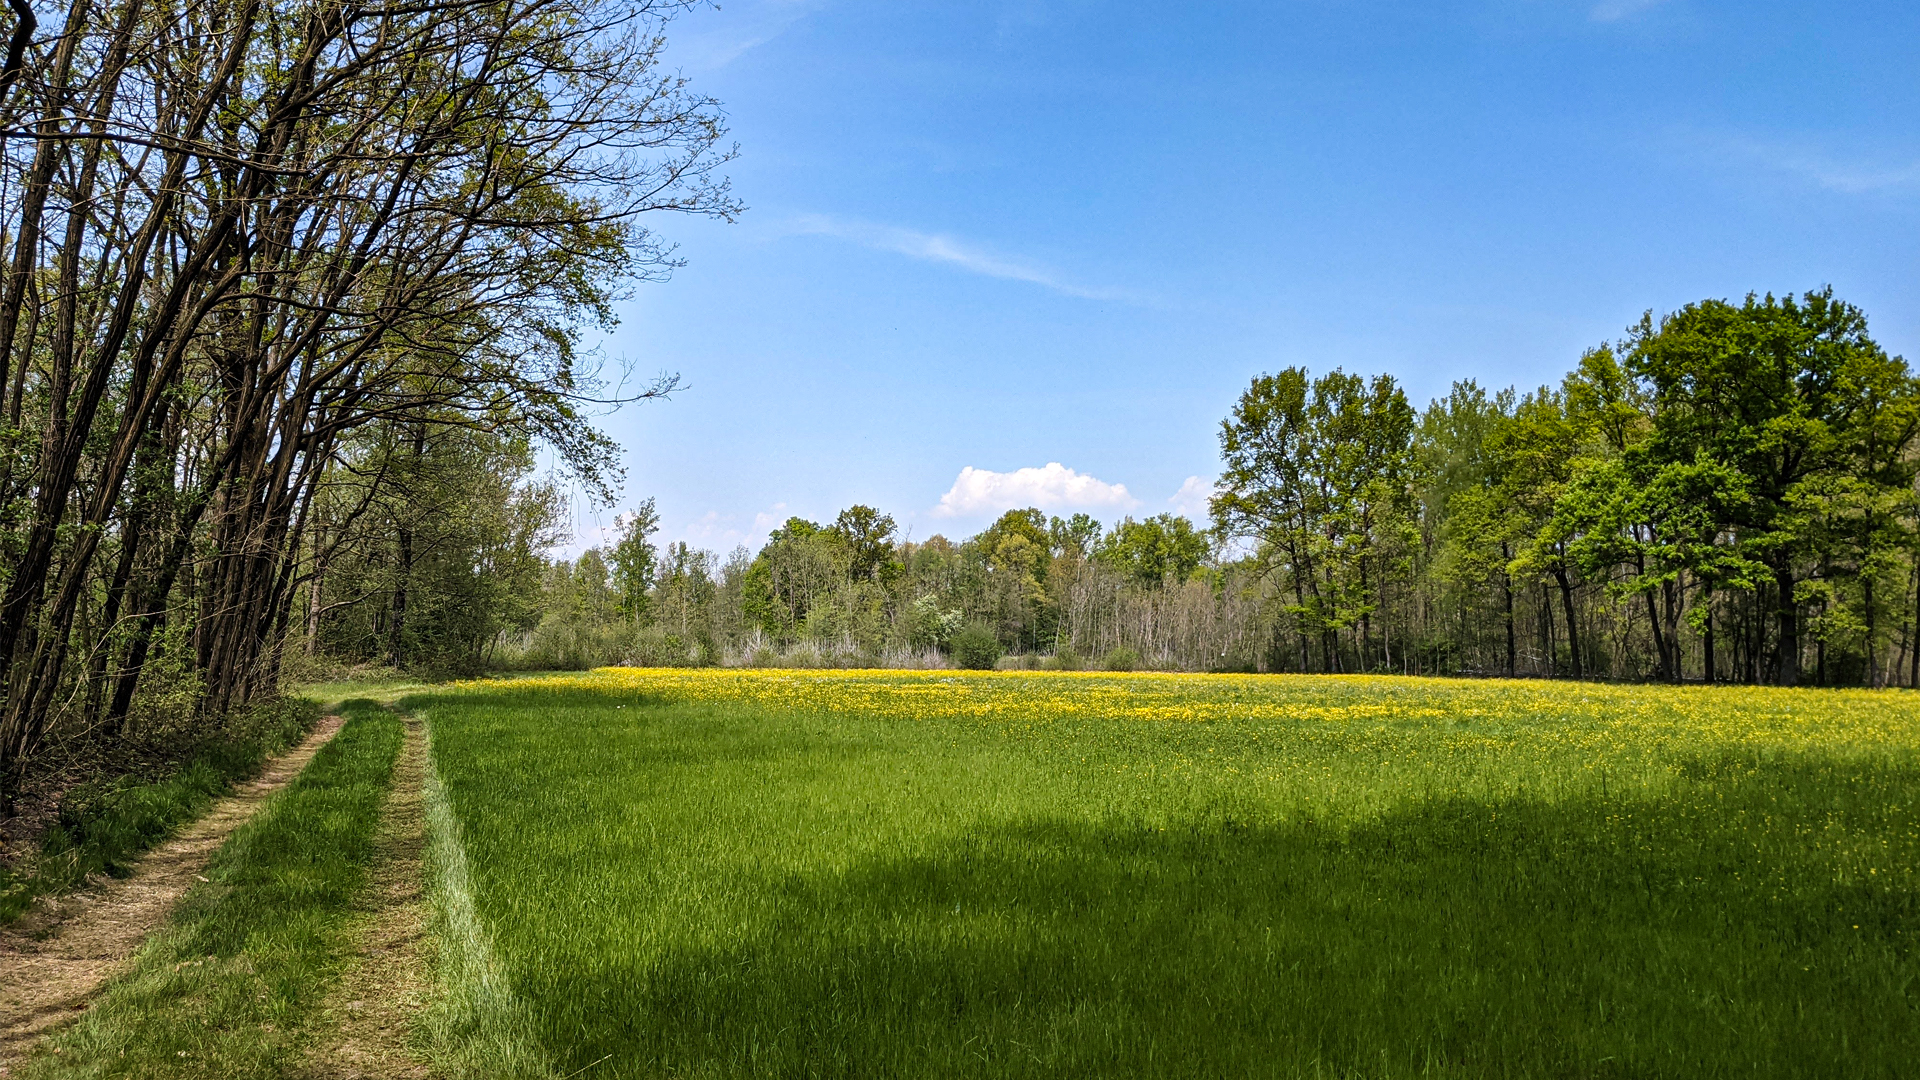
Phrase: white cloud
(1615, 10)
(722, 533)
(983, 491)
(937, 248)
(715, 531)
(1191, 499)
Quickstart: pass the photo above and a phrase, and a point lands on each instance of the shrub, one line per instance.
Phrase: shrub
(1065, 659)
(976, 648)
(1122, 659)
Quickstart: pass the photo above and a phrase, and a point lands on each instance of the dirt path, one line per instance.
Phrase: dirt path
(366, 1026)
(53, 958)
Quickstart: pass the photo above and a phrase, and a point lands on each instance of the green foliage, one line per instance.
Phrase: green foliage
(634, 559)
(1152, 552)
(1065, 659)
(1792, 397)
(1122, 659)
(429, 571)
(1016, 557)
(869, 539)
(975, 647)
(1726, 492)
(1076, 536)
(929, 626)
(1319, 474)
(800, 565)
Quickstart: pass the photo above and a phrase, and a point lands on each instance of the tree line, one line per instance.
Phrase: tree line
(1727, 494)
(276, 279)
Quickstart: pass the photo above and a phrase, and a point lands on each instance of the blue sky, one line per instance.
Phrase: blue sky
(1061, 236)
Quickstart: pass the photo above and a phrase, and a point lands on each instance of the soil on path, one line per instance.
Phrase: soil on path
(367, 1025)
(55, 956)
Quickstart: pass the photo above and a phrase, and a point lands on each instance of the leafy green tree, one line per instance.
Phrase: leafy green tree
(1319, 474)
(869, 538)
(929, 626)
(1152, 552)
(635, 561)
(1535, 456)
(1786, 392)
(684, 597)
(976, 647)
(431, 545)
(1467, 537)
(1266, 493)
(796, 569)
(1364, 439)
(1017, 553)
(1074, 537)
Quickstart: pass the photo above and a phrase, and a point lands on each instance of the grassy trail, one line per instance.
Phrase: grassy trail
(57, 957)
(232, 987)
(105, 828)
(852, 875)
(367, 1025)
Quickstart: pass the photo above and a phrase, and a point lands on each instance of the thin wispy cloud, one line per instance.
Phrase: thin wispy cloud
(1615, 10)
(1851, 178)
(722, 532)
(949, 251)
(741, 32)
(1855, 174)
(978, 492)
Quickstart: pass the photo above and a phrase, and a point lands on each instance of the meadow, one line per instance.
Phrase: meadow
(728, 873)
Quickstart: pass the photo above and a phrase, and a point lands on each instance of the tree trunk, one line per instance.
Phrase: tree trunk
(1875, 677)
(1787, 669)
(1707, 643)
(1573, 626)
(1506, 591)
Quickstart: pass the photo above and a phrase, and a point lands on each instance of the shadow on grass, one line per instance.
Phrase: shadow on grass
(1758, 921)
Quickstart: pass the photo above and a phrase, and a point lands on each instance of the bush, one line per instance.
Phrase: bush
(1122, 659)
(976, 648)
(1065, 659)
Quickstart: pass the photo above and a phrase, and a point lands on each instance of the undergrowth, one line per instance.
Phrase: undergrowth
(104, 825)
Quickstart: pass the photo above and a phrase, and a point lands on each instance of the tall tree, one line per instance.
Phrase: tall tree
(635, 561)
(1784, 392)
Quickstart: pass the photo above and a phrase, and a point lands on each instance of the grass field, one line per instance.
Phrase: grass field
(925, 874)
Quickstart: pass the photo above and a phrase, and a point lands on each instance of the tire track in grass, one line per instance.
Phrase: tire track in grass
(478, 1026)
(367, 1024)
(232, 986)
(56, 958)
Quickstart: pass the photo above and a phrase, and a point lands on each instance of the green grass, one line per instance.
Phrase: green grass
(384, 689)
(105, 826)
(1375, 878)
(476, 1025)
(229, 987)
